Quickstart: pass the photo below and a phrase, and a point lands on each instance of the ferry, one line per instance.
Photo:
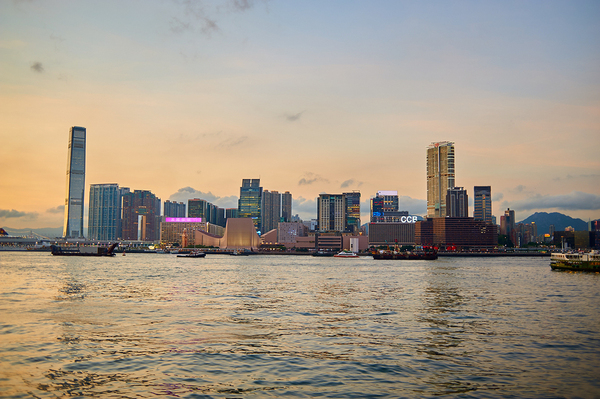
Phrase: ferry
(91, 250)
(345, 254)
(585, 262)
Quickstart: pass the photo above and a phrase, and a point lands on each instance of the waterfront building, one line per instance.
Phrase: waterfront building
(397, 233)
(171, 230)
(482, 209)
(74, 201)
(440, 176)
(331, 212)
(286, 207)
(288, 232)
(456, 232)
(352, 212)
(141, 216)
(104, 221)
(457, 203)
(271, 210)
(174, 209)
(249, 204)
(525, 233)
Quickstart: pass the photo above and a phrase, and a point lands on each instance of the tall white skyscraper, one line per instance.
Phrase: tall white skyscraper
(73, 226)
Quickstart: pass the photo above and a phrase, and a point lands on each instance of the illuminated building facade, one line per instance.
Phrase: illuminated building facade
(440, 176)
(74, 201)
(352, 212)
(249, 204)
(482, 209)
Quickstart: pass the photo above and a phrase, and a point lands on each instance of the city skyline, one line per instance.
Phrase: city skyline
(311, 98)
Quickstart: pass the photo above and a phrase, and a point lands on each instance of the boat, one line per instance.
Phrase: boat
(423, 253)
(90, 250)
(323, 253)
(574, 261)
(345, 254)
(192, 255)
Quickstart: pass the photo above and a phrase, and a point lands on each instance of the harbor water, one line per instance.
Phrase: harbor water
(151, 325)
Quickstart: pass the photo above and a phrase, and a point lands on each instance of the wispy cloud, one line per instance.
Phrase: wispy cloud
(58, 209)
(351, 182)
(12, 213)
(310, 178)
(414, 206)
(293, 117)
(37, 67)
(573, 201)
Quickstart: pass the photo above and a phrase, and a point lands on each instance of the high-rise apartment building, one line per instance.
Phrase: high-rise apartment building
(457, 203)
(440, 176)
(173, 209)
(331, 212)
(141, 216)
(286, 207)
(352, 212)
(104, 221)
(483, 203)
(249, 204)
(74, 201)
(271, 210)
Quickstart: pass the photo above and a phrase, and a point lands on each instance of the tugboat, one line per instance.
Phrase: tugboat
(584, 262)
(92, 250)
(193, 254)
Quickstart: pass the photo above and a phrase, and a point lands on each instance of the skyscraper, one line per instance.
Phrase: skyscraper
(249, 204)
(457, 203)
(331, 212)
(383, 203)
(440, 176)
(271, 210)
(353, 212)
(286, 206)
(483, 203)
(104, 222)
(173, 209)
(74, 201)
(141, 216)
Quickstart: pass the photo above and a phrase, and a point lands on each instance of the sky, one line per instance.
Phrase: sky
(187, 98)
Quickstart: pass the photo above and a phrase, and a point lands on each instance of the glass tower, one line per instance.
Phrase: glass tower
(352, 212)
(249, 204)
(104, 222)
(73, 226)
(440, 176)
(483, 203)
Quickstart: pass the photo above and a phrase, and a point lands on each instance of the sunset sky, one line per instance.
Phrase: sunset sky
(187, 98)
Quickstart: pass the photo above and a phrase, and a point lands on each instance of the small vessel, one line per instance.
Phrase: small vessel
(323, 253)
(422, 253)
(585, 262)
(91, 250)
(192, 255)
(345, 254)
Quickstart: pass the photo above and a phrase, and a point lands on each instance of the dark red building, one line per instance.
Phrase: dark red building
(456, 232)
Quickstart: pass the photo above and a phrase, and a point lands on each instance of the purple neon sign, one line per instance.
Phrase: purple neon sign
(184, 220)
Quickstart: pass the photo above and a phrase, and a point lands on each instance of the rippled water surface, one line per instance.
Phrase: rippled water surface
(147, 325)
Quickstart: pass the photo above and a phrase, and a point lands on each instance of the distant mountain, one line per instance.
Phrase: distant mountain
(543, 220)
(50, 232)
